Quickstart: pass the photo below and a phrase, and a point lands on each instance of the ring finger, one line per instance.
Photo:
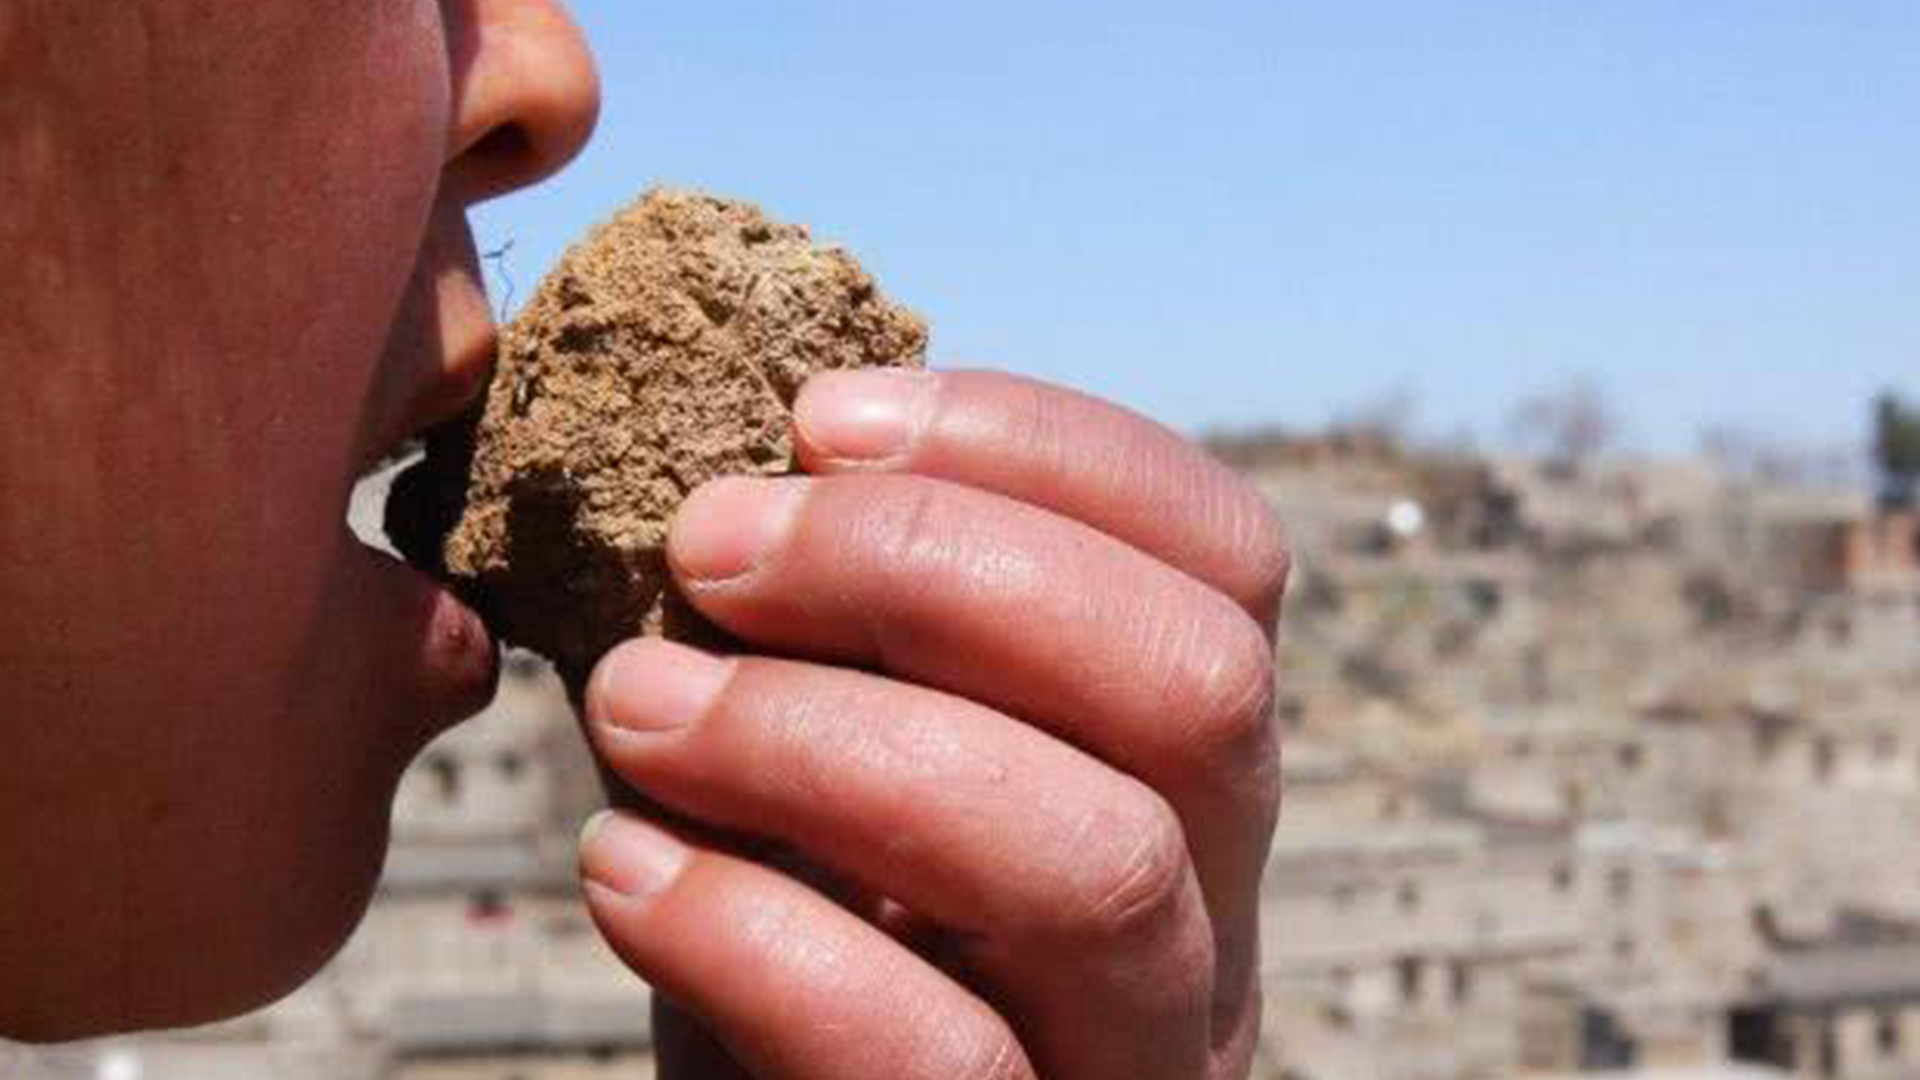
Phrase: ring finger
(1066, 882)
(792, 985)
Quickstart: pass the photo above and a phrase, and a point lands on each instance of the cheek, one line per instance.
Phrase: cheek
(313, 198)
(282, 190)
(325, 253)
(227, 202)
(291, 184)
(307, 203)
(255, 221)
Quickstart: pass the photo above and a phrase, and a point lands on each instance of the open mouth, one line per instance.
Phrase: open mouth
(366, 512)
(438, 409)
(458, 646)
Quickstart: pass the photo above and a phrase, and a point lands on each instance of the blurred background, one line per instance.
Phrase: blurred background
(1235, 214)
(1574, 340)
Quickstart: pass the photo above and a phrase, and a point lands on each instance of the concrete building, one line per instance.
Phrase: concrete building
(1677, 1073)
(1845, 1005)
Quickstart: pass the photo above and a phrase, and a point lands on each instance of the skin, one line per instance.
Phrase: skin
(240, 270)
(1009, 788)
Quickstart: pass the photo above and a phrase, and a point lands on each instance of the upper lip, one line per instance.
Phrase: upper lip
(458, 383)
(442, 342)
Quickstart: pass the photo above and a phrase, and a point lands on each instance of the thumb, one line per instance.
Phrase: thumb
(684, 1050)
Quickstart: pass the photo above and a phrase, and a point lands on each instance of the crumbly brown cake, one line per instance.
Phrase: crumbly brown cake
(665, 350)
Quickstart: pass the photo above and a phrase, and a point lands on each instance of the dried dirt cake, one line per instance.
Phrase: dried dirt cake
(664, 351)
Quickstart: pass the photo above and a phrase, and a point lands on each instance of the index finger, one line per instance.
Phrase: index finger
(1058, 449)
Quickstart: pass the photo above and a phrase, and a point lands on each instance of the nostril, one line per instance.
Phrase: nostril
(505, 151)
(524, 94)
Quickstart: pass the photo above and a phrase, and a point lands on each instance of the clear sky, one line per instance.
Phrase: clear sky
(1226, 213)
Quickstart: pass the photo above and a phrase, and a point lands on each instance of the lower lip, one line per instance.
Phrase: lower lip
(461, 652)
(458, 654)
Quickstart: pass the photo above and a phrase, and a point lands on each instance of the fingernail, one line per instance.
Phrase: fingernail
(867, 415)
(728, 528)
(654, 685)
(628, 856)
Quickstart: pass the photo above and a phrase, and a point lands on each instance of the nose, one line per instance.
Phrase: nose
(526, 94)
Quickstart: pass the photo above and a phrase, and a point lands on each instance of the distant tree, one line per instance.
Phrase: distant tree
(1251, 448)
(1384, 421)
(1759, 455)
(1568, 426)
(1896, 448)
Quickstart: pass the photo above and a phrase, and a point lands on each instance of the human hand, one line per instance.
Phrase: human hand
(1027, 737)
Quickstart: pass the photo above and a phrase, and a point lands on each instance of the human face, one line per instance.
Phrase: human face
(238, 272)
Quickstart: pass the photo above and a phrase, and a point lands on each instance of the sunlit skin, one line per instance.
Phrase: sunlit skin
(1028, 634)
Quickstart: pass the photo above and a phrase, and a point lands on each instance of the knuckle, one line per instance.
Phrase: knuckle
(929, 549)
(1035, 419)
(1238, 1051)
(1229, 692)
(904, 536)
(909, 527)
(1188, 967)
(1266, 791)
(1137, 882)
(1264, 548)
(1223, 684)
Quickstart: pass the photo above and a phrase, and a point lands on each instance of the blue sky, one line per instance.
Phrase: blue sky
(1227, 213)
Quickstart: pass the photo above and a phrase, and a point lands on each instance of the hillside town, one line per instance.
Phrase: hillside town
(1606, 769)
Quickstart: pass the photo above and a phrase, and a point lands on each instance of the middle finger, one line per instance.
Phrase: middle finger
(1065, 883)
(1029, 612)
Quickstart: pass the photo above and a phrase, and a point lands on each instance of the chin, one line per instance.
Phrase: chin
(208, 947)
(277, 958)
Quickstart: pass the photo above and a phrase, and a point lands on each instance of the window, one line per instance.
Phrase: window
(1460, 981)
(1886, 1033)
(1825, 755)
(1483, 594)
(1631, 756)
(1620, 883)
(1291, 711)
(1338, 1013)
(1407, 973)
(488, 905)
(1573, 798)
(568, 926)
(446, 776)
(1562, 878)
(1409, 897)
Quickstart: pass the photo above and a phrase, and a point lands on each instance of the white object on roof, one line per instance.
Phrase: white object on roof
(118, 1063)
(1405, 518)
